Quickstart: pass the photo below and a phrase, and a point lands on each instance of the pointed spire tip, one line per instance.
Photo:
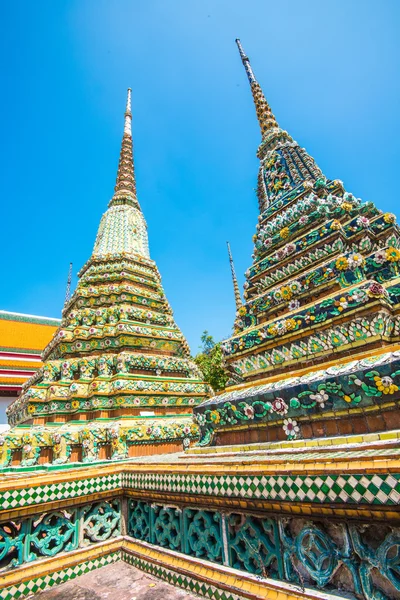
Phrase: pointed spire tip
(246, 62)
(236, 291)
(128, 114)
(265, 116)
(125, 186)
(68, 287)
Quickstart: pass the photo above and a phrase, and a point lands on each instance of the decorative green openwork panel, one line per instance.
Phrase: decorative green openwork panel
(389, 558)
(101, 521)
(53, 533)
(317, 554)
(203, 534)
(383, 559)
(166, 527)
(294, 550)
(139, 520)
(50, 533)
(254, 545)
(12, 536)
(361, 559)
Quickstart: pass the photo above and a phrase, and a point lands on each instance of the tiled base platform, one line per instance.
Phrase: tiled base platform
(271, 519)
(27, 588)
(119, 581)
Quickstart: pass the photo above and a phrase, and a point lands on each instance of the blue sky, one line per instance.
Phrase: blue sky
(329, 70)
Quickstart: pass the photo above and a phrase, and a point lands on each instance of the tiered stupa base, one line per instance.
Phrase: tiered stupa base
(359, 395)
(96, 440)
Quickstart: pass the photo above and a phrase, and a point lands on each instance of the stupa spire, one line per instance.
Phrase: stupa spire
(238, 299)
(125, 186)
(68, 287)
(284, 164)
(128, 113)
(265, 115)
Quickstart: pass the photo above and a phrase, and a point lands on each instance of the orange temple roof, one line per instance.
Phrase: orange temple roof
(25, 332)
(22, 340)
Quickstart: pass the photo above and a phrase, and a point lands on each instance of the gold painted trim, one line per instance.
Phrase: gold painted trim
(321, 444)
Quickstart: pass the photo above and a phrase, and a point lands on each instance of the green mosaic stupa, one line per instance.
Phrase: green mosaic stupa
(117, 375)
(314, 352)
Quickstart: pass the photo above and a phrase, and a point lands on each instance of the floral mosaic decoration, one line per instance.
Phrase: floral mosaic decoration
(289, 401)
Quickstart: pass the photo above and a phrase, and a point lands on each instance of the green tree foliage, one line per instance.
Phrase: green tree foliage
(209, 361)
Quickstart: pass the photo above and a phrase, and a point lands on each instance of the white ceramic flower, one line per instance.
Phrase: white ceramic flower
(281, 327)
(320, 398)
(249, 411)
(359, 296)
(289, 248)
(200, 418)
(296, 287)
(355, 260)
(363, 222)
(380, 257)
(291, 428)
(279, 406)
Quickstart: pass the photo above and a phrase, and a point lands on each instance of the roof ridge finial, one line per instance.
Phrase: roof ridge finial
(265, 115)
(125, 187)
(238, 299)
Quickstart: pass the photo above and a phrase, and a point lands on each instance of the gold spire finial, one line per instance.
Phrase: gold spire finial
(238, 299)
(264, 113)
(125, 184)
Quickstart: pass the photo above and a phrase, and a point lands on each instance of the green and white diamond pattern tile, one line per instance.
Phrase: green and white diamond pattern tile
(183, 581)
(58, 491)
(38, 584)
(353, 489)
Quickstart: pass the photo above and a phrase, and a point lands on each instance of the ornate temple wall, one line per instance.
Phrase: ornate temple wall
(324, 525)
(22, 340)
